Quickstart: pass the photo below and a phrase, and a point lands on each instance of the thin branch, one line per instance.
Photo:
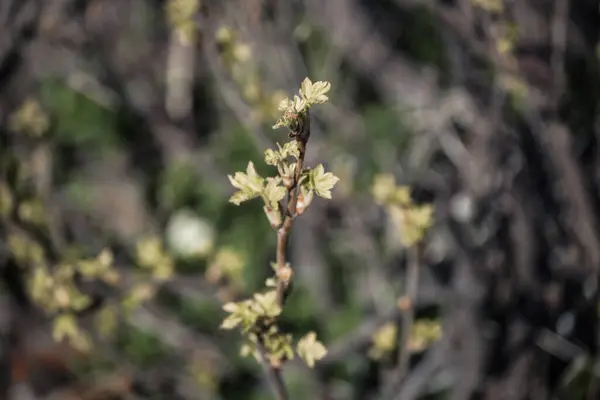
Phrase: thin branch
(560, 23)
(284, 273)
(273, 374)
(406, 303)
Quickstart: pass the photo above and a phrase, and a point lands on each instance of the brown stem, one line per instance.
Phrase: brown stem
(407, 303)
(284, 274)
(273, 374)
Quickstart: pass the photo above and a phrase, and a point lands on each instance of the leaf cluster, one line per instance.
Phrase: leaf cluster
(411, 220)
(256, 317)
(272, 190)
(309, 94)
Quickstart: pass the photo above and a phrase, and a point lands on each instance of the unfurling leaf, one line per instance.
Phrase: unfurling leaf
(272, 157)
(384, 340)
(300, 104)
(412, 222)
(267, 303)
(322, 182)
(383, 188)
(305, 88)
(273, 193)
(314, 93)
(310, 349)
(231, 322)
(250, 185)
(318, 91)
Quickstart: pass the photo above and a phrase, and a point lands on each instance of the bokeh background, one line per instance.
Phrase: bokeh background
(120, 120)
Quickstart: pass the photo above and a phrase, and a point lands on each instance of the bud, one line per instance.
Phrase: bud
(288, 182)
(304, 201)
(285, 273)
(300, 205)
(274, 217)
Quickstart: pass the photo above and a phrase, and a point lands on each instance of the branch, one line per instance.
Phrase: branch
(406, 303)
(273, 374)
(284, 272)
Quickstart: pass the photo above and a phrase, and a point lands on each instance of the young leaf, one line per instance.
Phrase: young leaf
(300, 104)
(250, 185)
(323, 182)
(231, 322)
(273, 193)
(317, 92)
(231, 307)
(272, 157)
(268, 303)
(284, 104)
(310, 349)
(305, 88)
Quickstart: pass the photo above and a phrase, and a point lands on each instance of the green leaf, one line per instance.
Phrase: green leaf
(318, 91)
(273, 192)
(267, 303)
(314, 93)
(65, 326)
(250, 185)
(290, 149)
(284, 104)
(231, 307)
(310, 349)
(272, 157)
(322, 182)
(300, 104)
(231, 322)
(305, 88)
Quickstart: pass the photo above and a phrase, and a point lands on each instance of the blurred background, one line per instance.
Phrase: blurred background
(120, 121)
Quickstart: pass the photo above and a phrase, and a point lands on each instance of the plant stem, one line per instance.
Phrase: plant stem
(407, 302)
(272, 374)
(283, 232)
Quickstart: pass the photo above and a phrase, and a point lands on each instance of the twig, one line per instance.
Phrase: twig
(560, 22)
(406, 303)
(284, 272)
(273, 374)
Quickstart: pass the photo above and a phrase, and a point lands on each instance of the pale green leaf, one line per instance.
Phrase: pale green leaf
(323, 182)
(299, 104)
(310, 349)
(305, 88)
(250, 185)
(267, 303)
(65, 326)
(284, 104)
(272, 157)
(273, 192)
(231, 322)
(231, 307)
(318, 91)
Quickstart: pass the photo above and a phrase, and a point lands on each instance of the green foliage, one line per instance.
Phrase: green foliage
(410, 219)
(141, 347)
(310, 349)
(319, 181)
(310, 94)
(78, 120)
(30, 119)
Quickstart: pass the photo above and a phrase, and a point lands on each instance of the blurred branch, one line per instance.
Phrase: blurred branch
(362, 335)
(407, 303)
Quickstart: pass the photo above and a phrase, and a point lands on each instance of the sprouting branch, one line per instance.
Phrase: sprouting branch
(297, 185)
(284, 273)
